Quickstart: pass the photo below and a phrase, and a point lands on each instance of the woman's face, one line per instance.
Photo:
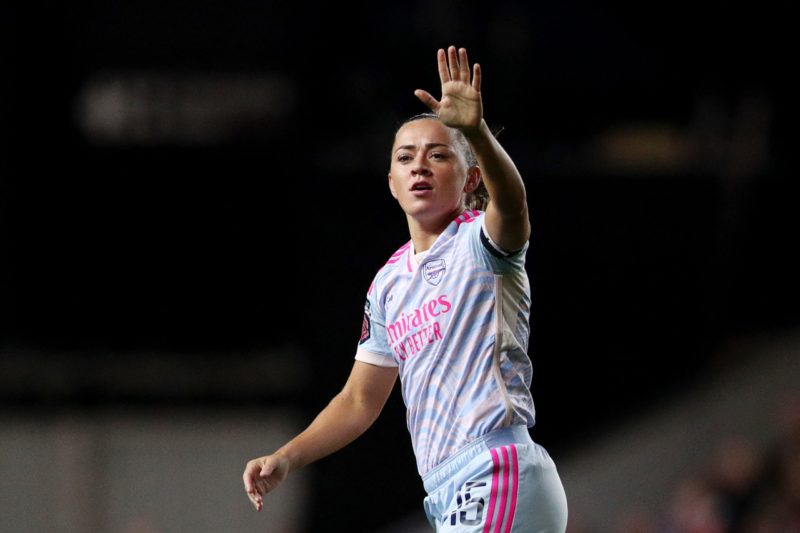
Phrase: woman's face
(428, 175)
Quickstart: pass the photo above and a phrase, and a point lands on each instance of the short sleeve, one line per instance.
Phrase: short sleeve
(490, 254)
(373, 345)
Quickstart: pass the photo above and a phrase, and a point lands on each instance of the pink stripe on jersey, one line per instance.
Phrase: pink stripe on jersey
(514, 488)
(398, 254)
(402, 249)
(467, 216)
(487, 527)
(408, 262)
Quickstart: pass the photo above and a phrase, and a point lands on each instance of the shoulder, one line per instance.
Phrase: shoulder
(472, 232)
(398, 255)
(397, 263)
(465, 219)
(466, 225)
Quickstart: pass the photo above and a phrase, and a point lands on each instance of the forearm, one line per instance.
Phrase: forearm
(507, 213)
(343, 420)
(346, 417)
(499, 173)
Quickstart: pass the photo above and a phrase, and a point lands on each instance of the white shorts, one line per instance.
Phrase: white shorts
(502, 482)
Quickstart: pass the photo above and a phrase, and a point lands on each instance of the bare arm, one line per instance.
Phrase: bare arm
(347, 416)
(461, 107)
(507, 219)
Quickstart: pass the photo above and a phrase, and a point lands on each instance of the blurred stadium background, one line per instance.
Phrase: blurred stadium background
(193, 204)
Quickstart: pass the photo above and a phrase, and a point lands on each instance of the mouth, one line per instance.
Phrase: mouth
(421, 186)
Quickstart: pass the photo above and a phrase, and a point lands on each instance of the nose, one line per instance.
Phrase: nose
(420, 167)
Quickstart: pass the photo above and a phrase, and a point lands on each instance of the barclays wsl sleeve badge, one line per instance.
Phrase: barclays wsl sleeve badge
(365, 325)
(433, 271)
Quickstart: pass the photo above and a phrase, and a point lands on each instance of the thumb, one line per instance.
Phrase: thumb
(427, 99)
(269, 467)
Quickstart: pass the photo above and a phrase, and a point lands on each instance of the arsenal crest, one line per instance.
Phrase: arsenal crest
(433, 271)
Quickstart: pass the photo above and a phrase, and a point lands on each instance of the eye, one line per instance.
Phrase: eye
(438, 156)
(404, 158)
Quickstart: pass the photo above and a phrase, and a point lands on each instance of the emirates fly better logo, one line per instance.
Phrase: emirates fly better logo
(433, 271)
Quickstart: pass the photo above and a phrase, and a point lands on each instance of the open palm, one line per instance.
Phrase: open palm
(460, 105)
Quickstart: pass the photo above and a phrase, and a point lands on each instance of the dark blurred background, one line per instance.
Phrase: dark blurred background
(208, 180)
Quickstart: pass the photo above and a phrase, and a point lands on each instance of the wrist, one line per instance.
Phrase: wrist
(478, 133)
(286, 457)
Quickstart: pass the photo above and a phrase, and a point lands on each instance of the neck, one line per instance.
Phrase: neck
(425, 232)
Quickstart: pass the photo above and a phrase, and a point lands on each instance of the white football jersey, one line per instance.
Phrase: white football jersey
(456, 323)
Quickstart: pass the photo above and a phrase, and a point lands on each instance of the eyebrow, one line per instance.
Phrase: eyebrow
(429, 145)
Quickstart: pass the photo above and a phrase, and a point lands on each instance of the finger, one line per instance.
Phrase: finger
(441, 61)
(428, 99)
(248, 481)
(258, 503)
(453, 60)
(463, 65)
(476, 77)
(262, 487)
(255, 499)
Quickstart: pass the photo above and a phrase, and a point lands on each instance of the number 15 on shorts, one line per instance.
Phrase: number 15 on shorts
(469, 511)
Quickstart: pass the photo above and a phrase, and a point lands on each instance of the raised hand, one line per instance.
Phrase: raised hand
(460, 106)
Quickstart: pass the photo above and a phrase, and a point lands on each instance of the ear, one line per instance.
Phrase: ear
(391, 186)
(473, 179)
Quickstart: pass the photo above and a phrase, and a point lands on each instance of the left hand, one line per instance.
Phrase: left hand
(461, 106)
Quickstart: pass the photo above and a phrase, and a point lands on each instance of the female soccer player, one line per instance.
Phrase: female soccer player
(449, 314)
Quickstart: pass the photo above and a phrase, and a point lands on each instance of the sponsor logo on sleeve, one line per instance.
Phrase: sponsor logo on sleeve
(366, 325)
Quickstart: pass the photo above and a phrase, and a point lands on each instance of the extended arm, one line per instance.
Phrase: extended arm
(347, 416)
(461, 107)
(507, 219)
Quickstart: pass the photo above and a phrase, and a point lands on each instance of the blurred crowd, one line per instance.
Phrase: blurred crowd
(742, 488)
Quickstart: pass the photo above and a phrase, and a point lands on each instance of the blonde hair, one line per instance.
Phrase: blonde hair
(479, 198)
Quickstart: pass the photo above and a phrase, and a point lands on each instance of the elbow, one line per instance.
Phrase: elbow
(511, 208)
(517, 216)
(363, 410)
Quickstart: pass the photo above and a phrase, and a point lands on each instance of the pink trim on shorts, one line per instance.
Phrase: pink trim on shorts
(514, 487)
(493, 497)
(502, 512)
(503, 497)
